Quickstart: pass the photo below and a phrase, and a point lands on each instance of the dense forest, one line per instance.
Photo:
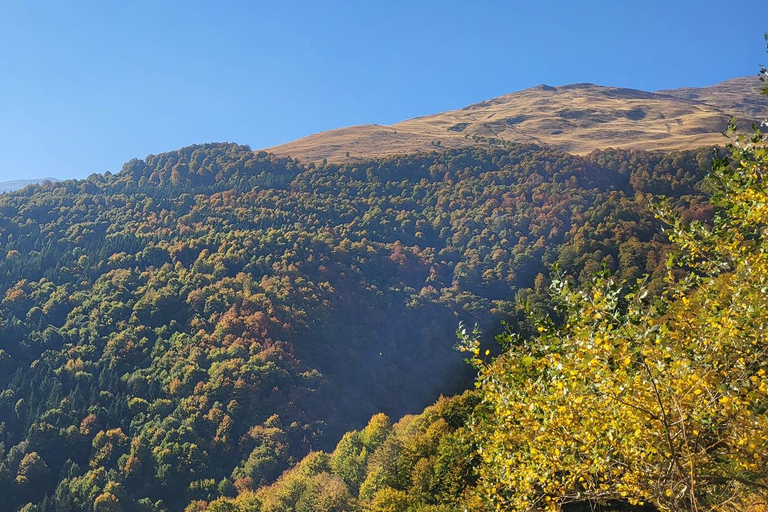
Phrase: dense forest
(184, 331)
(622, 398)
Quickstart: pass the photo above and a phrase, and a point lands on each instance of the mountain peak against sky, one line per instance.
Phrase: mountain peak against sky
(577, 118)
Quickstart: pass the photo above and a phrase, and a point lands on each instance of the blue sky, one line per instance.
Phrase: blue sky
(88, 85)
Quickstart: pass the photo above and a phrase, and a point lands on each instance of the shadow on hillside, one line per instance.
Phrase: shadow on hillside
(613, 506)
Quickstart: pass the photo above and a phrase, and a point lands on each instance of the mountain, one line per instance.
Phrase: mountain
(576, 118)
(188, 328)
(196, 323)
(10, 186)
(572, 418)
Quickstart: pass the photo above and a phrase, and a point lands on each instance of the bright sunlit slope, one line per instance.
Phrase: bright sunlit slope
(577, 118)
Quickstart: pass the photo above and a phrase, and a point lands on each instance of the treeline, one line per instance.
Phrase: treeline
(421, 463)
(193, 325)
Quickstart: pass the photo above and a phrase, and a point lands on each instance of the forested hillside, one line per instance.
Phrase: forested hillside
(10, 186)
(621, 397)
(192, 326)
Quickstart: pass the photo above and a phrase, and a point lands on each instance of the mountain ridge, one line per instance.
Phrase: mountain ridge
(577, 118)
(11, 185)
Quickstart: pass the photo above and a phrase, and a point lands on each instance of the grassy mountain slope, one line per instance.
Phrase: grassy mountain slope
(577, 118)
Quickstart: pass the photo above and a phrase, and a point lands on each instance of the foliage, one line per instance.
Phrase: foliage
(186, 329)
(422, 463)
(638, 399)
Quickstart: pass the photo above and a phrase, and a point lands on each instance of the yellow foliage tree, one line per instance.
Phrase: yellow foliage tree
(627, 398)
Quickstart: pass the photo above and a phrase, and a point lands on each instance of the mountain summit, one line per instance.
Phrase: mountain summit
(577, 118)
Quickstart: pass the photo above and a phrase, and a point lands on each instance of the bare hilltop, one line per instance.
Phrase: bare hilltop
(577, 118)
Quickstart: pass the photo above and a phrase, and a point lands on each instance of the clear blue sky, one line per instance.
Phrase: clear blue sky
(88, 85)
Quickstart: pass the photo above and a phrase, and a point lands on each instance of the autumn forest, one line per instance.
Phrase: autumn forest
(505, 326)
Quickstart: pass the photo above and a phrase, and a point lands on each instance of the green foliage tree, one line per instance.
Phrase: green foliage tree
(432, 444)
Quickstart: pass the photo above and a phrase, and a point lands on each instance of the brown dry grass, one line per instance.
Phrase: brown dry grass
(576, 118)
